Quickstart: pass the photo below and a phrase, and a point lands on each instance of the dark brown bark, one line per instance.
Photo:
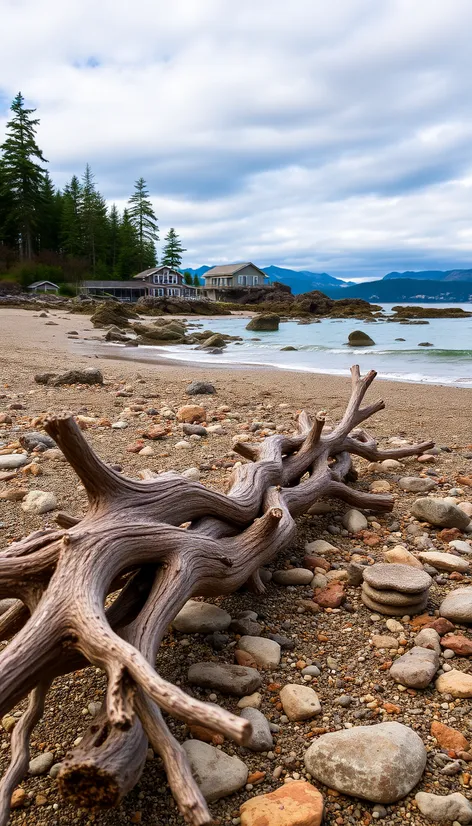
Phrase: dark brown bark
(129, 541)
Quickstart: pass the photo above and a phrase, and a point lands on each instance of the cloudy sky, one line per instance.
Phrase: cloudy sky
(325, 136)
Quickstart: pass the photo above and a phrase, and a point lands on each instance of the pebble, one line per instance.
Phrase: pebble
(300, 702)
(402, 556)
(217, 774)
(428, 638)
(261, 737)
(416, 668)
(41, 764)
(456, 683)
(13, 460)
(416, 484)
(266, 653)
(39, 501)
(444, 561)
(354, 521)
(251, 701)
(192, 474)
(238, 680)
(294, 804)
(440, 513)
(457, 606)
(293, 576)
(381, 763)
(201, 618)
(444, 808)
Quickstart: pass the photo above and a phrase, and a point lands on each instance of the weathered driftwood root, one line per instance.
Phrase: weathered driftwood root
(130, 545)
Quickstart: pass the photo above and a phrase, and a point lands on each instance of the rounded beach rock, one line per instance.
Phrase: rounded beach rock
(386, 576)
(416, 668)
(265, 653)
(201, 618)
(217, 774)
(381, 763)
(440, 512)
(293, 804)
(392, 597)
(293, 576)
(456, 683)
(238, 680)
(449, 808)
(394, 610)
(457, 606)
(299, 702)
(444, 562)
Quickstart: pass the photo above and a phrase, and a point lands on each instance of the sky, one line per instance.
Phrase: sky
(333, 137)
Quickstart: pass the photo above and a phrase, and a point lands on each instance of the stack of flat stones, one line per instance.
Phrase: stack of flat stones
(395, 590)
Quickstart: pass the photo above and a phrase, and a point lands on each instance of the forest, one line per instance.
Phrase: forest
(69, 234)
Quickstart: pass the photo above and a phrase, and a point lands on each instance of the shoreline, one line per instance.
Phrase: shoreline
(31, 344)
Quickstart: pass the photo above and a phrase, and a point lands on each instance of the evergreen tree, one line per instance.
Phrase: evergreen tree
(49, 221)
(113, 238)
(196, 280)
(94, 221)
(23, 175)
(188, 278)
(71, 227)
(173, 249)
(143, 218)
(8, 237)
(129, 251)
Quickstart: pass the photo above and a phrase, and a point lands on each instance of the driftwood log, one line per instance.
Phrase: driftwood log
(103, 591)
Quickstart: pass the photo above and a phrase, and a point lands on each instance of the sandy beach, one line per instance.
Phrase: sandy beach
(135, 392)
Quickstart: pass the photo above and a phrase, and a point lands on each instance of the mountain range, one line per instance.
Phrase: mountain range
(424, 285)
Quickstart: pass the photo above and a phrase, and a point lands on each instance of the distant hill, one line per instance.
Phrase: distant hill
(300, 281)
(404, 289)
(431, 275)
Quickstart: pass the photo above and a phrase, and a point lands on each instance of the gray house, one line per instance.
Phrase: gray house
(159, 282)
(232, 277)
(44, 287)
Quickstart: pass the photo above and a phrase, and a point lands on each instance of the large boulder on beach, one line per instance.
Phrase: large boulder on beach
(112, 312)
(439, 512)
(91, 375)
(359, 339)
(267, 322)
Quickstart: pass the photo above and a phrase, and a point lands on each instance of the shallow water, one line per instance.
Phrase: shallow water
(321, 348)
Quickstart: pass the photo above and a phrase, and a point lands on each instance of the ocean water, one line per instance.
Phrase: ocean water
(321, 348)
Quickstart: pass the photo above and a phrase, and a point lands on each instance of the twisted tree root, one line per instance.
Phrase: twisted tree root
(128, 542)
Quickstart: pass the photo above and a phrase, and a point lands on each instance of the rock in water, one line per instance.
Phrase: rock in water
(457, 606)
(293, 804)
(444, 808)
(439, 512)
(200, 388)
(201, 618)
(216, 773)
(265, 321)
(229, 679)
(359, 339)
(381, 763)
(416, 668)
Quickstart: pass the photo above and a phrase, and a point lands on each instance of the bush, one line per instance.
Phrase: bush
(26, 273)
(67, 290)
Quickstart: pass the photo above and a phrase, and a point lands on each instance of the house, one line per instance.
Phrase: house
(159, 282)
(164, 281)
(124, 290)
(232, 277)
(44, 287)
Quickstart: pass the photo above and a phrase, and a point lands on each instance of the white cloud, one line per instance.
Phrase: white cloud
(325, 136)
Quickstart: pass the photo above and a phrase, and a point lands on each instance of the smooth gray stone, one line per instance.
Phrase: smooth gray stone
(238, 680)
(440, 513)
(444, 808)
(216, 773)
(261, 737)
(381, 763)
(457, 606)
(384, 576)
(416, 668)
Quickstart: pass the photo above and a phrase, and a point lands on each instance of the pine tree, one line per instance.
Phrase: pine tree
(71, 226)
(196, 280)
(173, 249)
(23, 175)
(188, 278)
(94, 220)
(129, 251)
(143, 219)
(114, 224)
(49, 221)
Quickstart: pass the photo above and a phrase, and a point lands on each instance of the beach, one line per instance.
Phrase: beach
(252, 401)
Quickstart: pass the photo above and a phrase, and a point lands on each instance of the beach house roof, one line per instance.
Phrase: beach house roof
(153, 270)
(232, 269)
(36, 284)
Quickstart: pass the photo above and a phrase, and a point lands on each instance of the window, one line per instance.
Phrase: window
(160, 291)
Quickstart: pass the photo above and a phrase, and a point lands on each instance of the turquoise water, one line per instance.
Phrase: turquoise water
(322, 349)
